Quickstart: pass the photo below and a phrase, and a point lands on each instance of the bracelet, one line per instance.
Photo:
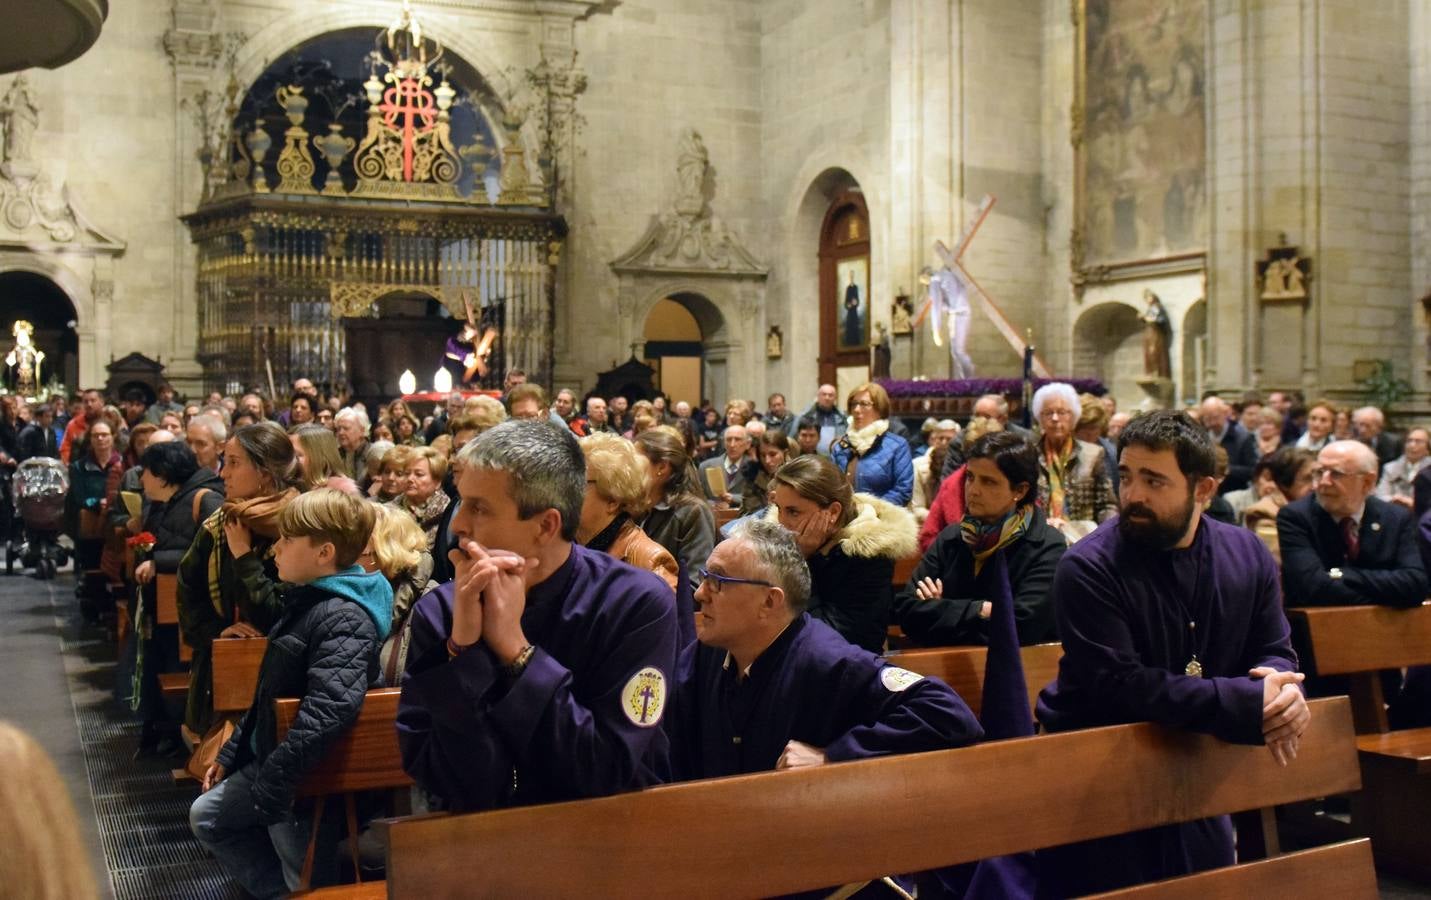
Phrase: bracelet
(519, 665)
(454, 649)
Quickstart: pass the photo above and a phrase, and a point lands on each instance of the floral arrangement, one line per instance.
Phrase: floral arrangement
(974, 387)
(142, 542)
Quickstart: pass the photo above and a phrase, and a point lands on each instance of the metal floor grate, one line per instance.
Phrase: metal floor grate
(143, 817)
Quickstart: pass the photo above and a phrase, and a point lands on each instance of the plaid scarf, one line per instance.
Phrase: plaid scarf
(1060, 466)
(985, 539)
(260, 514)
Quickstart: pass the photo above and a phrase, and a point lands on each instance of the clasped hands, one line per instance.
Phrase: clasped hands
(1285, 714)
(933, 589)
(488, 598)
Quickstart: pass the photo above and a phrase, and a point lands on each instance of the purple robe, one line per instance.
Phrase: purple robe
(581, 721)
(812, 686)
(1124, 613)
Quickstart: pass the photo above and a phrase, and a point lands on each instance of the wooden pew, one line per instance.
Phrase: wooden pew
(166, 609)
(365, 758)
(236, 663)
(1358, 641)
(903, 571)
(861, 820)
(962, 668)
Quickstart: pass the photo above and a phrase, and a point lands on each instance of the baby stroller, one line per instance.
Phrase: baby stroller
(39, 485)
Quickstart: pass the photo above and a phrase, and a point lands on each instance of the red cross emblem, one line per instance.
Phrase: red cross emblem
(407, 101)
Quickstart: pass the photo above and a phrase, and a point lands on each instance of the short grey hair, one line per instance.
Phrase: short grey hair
(778, 557)
(544, 464)
(1000, 399)
(1057, 389)
(217, 429)
(1366, 460)
(358, 415)
(376, 451)
(1371, 412)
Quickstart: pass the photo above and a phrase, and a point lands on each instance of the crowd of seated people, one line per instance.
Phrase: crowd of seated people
(408, 546)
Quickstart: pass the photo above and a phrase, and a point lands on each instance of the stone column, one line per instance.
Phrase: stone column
(195, 49)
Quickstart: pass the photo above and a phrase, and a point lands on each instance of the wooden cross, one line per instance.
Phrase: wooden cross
(954, 259)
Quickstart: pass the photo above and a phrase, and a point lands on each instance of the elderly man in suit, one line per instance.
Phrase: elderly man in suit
(1369, 425)
(1341, 545)
(732, 463)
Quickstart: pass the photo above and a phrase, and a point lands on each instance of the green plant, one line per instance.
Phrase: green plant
(1383, 388)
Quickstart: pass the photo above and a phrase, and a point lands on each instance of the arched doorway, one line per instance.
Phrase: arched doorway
(407, 333)
(1108, 345)
(683, 340)
(39, 301)
(845, 310)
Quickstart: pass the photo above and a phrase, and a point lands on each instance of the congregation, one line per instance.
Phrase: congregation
(578, 602)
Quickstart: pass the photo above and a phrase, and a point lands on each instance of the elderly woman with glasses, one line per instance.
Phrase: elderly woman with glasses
(875, 461)
(1073, 485)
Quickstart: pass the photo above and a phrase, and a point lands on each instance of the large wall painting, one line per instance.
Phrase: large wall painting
(1139, 135)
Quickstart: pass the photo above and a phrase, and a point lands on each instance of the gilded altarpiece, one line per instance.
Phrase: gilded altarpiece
(411, 184)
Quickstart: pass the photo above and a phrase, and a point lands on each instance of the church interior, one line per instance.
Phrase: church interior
(1156, 201)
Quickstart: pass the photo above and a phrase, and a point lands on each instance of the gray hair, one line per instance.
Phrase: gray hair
(358, 415)
(779, 558)
(1371, 412)
(1057, 389)
(214, 424)
(1002, 403)
(376, 451)
(544, 464)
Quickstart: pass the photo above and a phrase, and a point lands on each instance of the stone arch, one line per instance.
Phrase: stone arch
(298, 27)
(53, 311)
(70, 282)
(1108, 344)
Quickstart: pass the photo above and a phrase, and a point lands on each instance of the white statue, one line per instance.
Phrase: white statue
(691, 166)
(948, 306)
(21, 117)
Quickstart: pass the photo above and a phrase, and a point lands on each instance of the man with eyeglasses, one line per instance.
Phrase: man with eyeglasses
(767, 687)
(1341, 545)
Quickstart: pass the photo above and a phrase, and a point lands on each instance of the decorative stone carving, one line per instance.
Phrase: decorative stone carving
(1283, 276)
(691, 238)
(295, 162)
(35, 207)
(193, 49)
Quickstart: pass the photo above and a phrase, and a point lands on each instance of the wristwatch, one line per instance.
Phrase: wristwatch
(519, 665)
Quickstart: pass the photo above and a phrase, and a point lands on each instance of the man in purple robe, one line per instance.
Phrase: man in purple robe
(767, 687)
(1168, 616)
(541, 672)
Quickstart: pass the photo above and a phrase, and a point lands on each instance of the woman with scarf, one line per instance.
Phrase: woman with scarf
(228, 582)
(875, 461)
(615, 492)
(679, 518)
(423, 497)
(949, 600)
(850, 542)
(1073, 486)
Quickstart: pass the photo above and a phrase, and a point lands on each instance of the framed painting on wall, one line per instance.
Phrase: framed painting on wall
(852, 276)
(1140, 138)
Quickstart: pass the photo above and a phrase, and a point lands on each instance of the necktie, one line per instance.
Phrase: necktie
(1351, 538)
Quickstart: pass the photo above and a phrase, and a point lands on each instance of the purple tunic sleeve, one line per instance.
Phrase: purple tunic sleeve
(925, 715)
(1105, 678)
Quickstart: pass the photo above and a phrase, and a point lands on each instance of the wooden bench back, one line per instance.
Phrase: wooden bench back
(962, 668)
(236, 663)
(166, 608)
(904, 570)
(365, 758)
(1347, 639)
(1343, 870)
(862, 820)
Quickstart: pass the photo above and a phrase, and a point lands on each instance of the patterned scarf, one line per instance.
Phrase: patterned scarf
(986, 539)
(1060, 467)
(260, 514)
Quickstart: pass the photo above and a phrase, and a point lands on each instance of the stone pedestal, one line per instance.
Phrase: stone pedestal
(1157, 393)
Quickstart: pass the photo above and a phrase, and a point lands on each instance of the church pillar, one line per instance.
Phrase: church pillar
(194, 49)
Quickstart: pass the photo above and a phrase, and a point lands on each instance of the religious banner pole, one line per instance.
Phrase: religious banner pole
(1027, 412)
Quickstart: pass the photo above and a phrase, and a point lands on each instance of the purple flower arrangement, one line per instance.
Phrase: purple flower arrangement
(973, 387)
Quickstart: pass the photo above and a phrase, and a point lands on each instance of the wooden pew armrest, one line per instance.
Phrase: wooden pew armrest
(380, 826)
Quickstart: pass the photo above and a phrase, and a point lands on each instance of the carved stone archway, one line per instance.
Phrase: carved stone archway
(690, 250)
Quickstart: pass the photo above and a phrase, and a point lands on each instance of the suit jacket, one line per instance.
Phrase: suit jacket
(1387, 447)
(1387, 570)
(736, 484)
(1241, 447)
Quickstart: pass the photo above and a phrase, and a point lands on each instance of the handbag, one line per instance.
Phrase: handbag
(206, 751)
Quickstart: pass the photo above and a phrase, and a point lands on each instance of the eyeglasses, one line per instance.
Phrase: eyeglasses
(865, 404)
(718, 582)
(1056, 414)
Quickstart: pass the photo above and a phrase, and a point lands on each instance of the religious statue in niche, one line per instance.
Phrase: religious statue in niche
(20, 117)
(901, 321)
(25, 359)
(774, 343)
(879, 353)
(1157, 338)
(692, 166)
(1284, 274)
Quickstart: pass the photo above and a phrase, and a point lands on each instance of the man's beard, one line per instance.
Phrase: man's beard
(1157, 534)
